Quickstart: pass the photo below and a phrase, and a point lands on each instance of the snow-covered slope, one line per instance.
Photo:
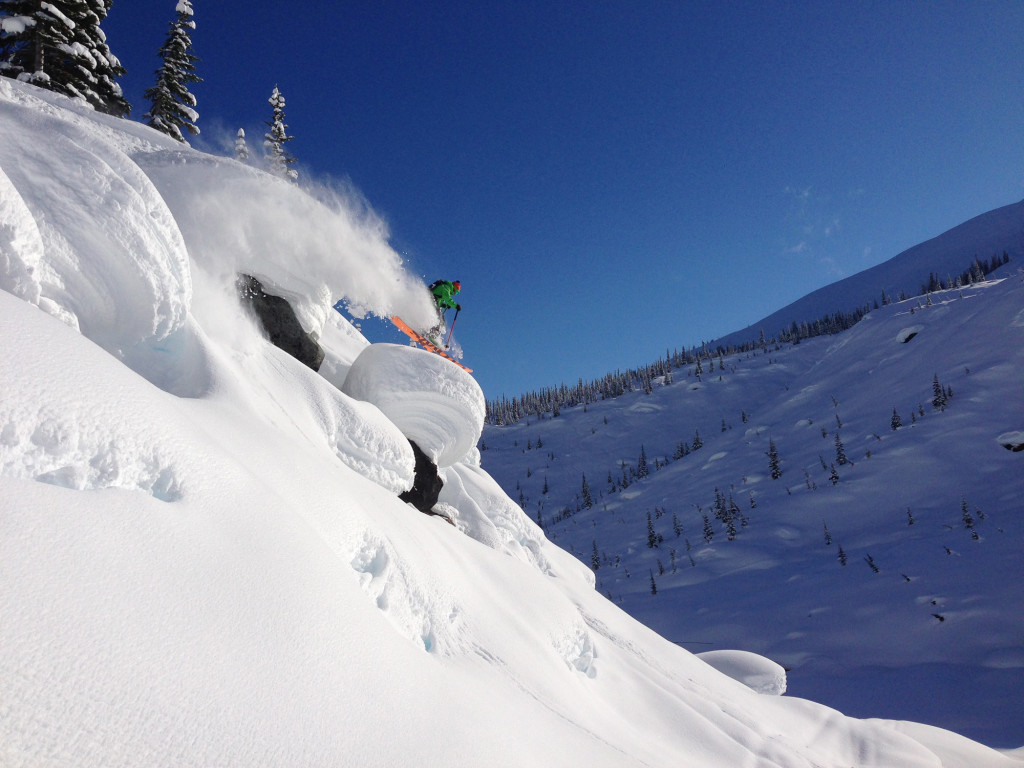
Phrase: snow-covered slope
(935, 633)
(203, 558)
(947, 255)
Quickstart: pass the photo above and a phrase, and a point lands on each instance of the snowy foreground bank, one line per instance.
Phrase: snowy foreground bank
(203, 558)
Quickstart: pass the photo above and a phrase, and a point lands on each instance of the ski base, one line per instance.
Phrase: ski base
(426, 343)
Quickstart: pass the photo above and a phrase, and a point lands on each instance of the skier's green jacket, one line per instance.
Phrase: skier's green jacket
(444, 293)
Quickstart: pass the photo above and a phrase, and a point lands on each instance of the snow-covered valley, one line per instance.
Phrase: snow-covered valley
(860, 573)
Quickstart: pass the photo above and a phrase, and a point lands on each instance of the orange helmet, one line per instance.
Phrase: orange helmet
(458, 285)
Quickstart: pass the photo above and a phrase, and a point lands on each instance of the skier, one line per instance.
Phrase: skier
(443, 292)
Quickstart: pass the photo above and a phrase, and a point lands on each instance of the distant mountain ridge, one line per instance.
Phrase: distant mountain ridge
(952, 252)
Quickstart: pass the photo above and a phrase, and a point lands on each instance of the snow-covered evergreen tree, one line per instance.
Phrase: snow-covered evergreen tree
(773, 460)
(275, 139)
(173, 105)
(840, 451)
(588, 499)
(59, 45)
(939, 398)
(242, 154)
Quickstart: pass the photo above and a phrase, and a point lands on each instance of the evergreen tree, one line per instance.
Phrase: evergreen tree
(773, 460)
(652, 536)
(840, 452)
(588, 500)
(595, 558)
(938, 394)
(896, 421)
(275, 139)
(59, 45)
(654, 584)
(242, 155)
(173, 106)
(966, 514)
(642, 469)
(709, 532)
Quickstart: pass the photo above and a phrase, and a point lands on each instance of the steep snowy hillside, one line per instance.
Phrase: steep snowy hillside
(921, 619)
(203, 556)
(989, 235)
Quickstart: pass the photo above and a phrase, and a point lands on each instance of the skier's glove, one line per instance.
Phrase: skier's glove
(458, 307)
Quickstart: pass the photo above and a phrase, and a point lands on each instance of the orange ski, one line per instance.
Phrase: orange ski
(426, 343)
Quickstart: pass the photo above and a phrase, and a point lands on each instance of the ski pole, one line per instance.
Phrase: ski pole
(452, 329)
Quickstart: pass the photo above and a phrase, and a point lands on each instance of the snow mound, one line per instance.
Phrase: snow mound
(139, 287)
(1012, 441)
(437, 405)
(754, 671)
(907, 334)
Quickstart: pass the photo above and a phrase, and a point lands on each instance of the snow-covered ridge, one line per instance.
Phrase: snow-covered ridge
(990, 234)
(203, 557)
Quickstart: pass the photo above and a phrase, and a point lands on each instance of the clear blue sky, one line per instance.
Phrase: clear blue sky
(612, 179)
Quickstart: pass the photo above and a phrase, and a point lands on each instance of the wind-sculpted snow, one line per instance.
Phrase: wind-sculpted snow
(21, 246)
(63, 436)
(484, 512)
(112, 259)
(362, 437)
(436, 404)
(753, 670)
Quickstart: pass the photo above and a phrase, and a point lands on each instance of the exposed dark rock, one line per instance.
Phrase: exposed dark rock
(280, 323)
(426, 485)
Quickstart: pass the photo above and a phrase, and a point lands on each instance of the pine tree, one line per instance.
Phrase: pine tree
(588, 500)
(654, 584)
(59, 45)
(242, 155)
(642, 469)
(896, 421)
(840, 452)
(938, 394)
(966, 515)
(173, 106)
(595, 558)
(275, 139)
(773, 460)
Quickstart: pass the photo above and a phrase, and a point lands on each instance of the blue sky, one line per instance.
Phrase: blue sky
(613, 179)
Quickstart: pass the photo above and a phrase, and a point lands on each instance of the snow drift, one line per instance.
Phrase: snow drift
(203, 557)
(440, 409)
